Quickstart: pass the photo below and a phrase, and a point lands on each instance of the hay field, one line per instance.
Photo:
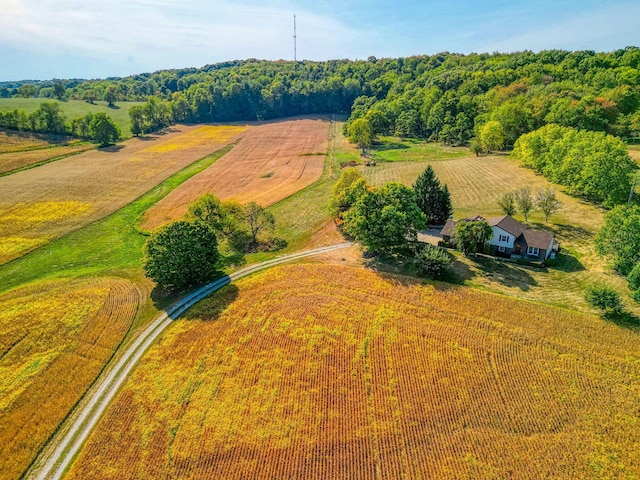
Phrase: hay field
(476, 183)
(43, 203)
(270, 162)
(55, 338)
(19, 160)
(318, 372)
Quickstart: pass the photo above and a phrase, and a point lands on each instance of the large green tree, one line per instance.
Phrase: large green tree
(181, 255)
(103, 130)
(433, 198)
(472, 236)
(619, 237)
(492, 136)
(385, 220)
(361, 133)
(346, 191)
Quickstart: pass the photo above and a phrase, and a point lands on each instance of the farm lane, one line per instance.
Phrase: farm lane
(57, 457)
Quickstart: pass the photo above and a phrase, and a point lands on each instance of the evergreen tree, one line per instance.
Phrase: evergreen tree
(433, 199)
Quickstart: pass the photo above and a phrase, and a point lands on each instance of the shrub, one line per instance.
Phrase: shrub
(604, 297)
(636, 296)
(634, 277)
(432, 261)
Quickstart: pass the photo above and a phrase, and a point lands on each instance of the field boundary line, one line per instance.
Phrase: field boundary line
(55, 460)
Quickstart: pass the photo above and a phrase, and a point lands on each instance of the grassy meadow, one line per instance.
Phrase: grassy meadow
(75, 108)
(316, 371)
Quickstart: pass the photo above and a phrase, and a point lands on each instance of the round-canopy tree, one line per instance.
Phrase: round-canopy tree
(181, 254)
(103, 130)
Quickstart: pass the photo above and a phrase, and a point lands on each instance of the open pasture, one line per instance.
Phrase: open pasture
(316, 372)
(43, 203)
(269, 163)
(75, 108)
(476, 184)
(55, 338)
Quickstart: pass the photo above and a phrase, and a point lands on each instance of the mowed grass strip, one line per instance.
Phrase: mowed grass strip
(315, 372)
(104, 179)
(55, 339)
(112, 244)
(270, 162)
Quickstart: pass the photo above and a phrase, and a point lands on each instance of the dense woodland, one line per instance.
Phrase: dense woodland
(444, 97)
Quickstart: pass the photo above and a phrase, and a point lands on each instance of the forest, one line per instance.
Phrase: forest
(445, 97)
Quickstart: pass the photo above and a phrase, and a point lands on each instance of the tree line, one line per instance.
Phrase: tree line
(49, 118)
(592, 164)
(444, 97)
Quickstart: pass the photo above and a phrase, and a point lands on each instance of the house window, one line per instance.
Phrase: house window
(504, 238)
(501, 249)
(533, 251)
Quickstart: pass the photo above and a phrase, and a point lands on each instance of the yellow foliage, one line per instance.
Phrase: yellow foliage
(207, 133)
(13, 247)
(318, 372)
(54, 339)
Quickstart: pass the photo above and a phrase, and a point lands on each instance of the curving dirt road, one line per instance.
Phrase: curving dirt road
(54, 460)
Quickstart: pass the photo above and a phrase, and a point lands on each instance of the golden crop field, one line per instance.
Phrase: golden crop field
(18, 141)
(323, 372)
(85, 187)
(55, 338)
(17, 160)
(270, 162)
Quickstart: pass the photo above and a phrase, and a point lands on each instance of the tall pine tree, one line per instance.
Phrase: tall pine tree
(432, 198)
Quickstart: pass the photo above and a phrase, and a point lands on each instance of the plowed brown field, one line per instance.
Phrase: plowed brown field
(270, 162)
(327, 372)
(55, 338)
(46, 202)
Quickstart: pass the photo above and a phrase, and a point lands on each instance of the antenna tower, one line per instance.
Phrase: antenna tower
(295, 46)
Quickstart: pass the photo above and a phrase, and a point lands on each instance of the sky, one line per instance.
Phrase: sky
(47, 39)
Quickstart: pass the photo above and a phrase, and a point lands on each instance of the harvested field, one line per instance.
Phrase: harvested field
(18, 160)
(19, 142)
(55, 338)
(43, 203)
(319, 372)
(271, 162)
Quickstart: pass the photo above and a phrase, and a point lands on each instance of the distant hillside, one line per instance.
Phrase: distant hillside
(443, 97)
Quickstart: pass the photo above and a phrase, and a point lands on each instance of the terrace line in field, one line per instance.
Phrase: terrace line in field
(316, 372)
(271, 162)
(100, 182)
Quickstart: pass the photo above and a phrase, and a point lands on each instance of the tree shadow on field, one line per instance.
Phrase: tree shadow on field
(623, 319)
(208, 309)
(146, 138)
(111, 148)
(493, 271)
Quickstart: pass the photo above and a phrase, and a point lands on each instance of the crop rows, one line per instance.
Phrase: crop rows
(269, 163)
(55, 338)
(317, 371)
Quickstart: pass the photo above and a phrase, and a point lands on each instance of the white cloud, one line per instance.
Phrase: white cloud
(167, 32)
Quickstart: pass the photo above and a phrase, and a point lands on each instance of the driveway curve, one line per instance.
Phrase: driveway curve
(55, 459)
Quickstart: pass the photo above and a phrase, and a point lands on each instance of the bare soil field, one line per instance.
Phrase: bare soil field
(55, 338)
(43, 203)
(270, 162)
(322, 371)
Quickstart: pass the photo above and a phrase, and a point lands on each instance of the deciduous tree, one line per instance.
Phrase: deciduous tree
(472, 236)
(385, 220)
(619, 237)
(103, 130)
(547, 202)
(525, 201)
(507, 203)
(180, 255)
(492, 136)
(258, 219)
(361, 133)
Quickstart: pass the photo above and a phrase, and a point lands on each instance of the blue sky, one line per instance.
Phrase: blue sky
(44, 39)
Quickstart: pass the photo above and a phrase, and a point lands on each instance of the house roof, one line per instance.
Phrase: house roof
(538, 239)
(447, 230)
(508, 224)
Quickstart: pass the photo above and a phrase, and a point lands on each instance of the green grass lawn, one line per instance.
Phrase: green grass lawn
(75, 108)
(393, 149)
